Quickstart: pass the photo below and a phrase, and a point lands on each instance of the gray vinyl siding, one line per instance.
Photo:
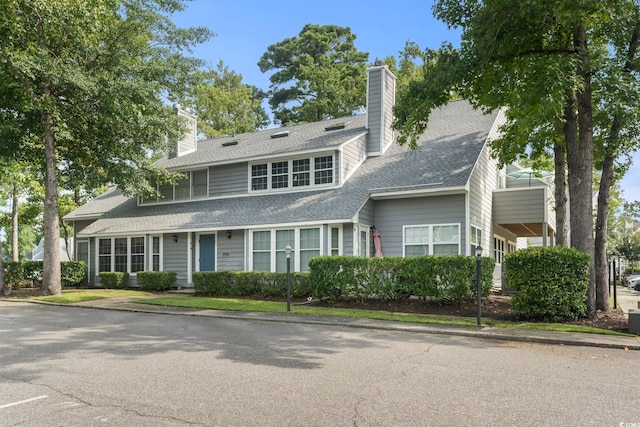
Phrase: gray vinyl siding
(228, 179)
(374, 106)
(380, 100)
(482, 182)
(231, 251)
(392, 215)
(388, 103)
(347, 239)
(366, 215)
(175, 256)
(519, 206)
(78, 226)
(352, 154)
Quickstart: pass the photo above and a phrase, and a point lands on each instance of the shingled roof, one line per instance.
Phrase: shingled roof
(446, 155)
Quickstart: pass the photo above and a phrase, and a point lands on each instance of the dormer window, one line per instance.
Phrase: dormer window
(295, 173)
(195, 184)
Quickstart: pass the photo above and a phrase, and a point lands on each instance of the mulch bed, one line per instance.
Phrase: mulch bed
(497, 307)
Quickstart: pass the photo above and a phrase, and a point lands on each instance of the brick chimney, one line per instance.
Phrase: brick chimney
(381, 96)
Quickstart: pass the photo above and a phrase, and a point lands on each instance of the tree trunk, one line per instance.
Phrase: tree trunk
(15, 255)
(5, 290)
(51, 280)
(580, 166)
(606, 181)
(600, 256)
(561, 192)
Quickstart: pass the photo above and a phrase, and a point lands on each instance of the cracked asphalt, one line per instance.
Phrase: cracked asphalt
(87, 367)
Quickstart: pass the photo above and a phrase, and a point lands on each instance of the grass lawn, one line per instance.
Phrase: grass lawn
(230, 304)
(78, 295)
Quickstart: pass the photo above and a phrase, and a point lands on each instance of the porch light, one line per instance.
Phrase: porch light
(175, 238)
(478, 251)
(228, 234)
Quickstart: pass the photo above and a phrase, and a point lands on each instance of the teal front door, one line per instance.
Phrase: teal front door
(207, 252)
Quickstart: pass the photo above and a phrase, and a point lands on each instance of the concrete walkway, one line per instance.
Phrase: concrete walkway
(627, 299)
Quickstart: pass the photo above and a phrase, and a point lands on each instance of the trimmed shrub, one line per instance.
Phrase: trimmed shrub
(114, 280)
(73, 273)
(441, 278)
(156, 280)
(259, 283)
(29, 273)
(552, 282)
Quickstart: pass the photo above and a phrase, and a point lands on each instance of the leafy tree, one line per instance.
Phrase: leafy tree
(19, 181)
(225, 105)
(320, 71)
(90, 77)
(539, 59)
(617, 97)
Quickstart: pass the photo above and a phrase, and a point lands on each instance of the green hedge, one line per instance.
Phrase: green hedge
(114, 280)
(442, 278)
(29, 273)
(156, 280)
(552, 282)
(257, 283)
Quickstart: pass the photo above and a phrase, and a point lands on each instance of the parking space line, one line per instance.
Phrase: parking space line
(23, 401)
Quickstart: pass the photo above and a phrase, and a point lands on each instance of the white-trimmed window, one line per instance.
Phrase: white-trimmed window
(323, 167)
(195, 184)
(268, 248)
(335, 241)
(285, 238)
(261, 251)
(294, 173)
(309, 246)
(475, 238)
(121, 254)
(156, 254)
(498, 249)
(362, 241)
(511, 247)
(437, 239)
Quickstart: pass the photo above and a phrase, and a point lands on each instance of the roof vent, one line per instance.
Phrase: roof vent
(282, 134)
(232, 142)
(337, 126)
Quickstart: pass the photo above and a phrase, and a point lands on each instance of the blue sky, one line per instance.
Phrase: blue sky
(244, 29)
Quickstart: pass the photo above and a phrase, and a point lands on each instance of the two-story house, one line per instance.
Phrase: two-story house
(322, 188)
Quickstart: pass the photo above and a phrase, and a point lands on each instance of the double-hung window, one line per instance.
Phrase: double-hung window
(259, 178)
(194, 184)
(269, 248)
(121, 254)
(498, 249)
(439, 239)
(476, 238)
(279, 175)
(323, 170)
